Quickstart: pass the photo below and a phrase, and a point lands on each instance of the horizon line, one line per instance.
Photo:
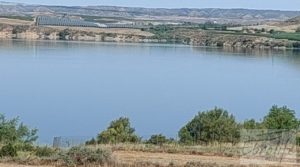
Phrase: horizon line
(168, 8)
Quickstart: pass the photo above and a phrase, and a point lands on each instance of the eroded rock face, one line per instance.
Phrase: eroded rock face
(204, 38)
(74, 34)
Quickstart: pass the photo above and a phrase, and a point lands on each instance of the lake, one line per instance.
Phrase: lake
(76, 89)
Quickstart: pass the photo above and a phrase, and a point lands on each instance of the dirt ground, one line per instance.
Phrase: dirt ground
(164, 159)
(181, 159)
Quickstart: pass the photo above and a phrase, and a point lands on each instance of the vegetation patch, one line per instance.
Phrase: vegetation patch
(286, 35)
(26, 18)
(85, 156)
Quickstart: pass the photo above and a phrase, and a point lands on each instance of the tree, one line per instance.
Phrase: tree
(158, 139)
(185, 136)
(251, 124)
(91, 142)
(119, 131)
(11, 131)
(216, 125)
(281, 118)
(15, 136)
(298, 29)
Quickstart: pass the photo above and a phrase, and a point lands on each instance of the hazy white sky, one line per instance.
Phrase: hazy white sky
(253, 4)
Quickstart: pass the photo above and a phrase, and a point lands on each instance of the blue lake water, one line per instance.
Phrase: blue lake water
(76, 89)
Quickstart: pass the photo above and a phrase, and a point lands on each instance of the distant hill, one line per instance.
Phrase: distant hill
(161, 13)
(295, 20)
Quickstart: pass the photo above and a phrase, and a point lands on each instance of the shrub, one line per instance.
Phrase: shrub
(158, 139)
(298, 29)
(198, 164)
(8, 150)
(216, 125)
(63, 34)
(19, 29)
(25, 147)
(44, 151)
(83, 156)
(91, 142)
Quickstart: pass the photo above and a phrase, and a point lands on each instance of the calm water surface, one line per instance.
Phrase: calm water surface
(76, 89)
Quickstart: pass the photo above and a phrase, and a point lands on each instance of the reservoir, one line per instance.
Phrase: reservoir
(76, 89)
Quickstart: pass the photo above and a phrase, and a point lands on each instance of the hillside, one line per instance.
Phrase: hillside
(184, 14)
(295, 20)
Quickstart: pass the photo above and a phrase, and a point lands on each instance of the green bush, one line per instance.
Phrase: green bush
(63, 34)
(25, 147)
(26, 18)
(158, 139)
(298, 140)
(272, 31)
(216, 125)
(287, 35)
(8, 150)
(119, 131)
(44, 151)
(91, 142)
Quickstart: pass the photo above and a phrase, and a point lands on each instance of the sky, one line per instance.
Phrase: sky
(251, 4)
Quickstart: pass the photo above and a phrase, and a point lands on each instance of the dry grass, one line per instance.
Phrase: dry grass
(16, 165)
(226, 150)
(271, 26)
(147, 159)
(164, 159)
(15, 21)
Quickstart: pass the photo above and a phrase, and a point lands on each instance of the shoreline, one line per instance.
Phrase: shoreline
(181, 36)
